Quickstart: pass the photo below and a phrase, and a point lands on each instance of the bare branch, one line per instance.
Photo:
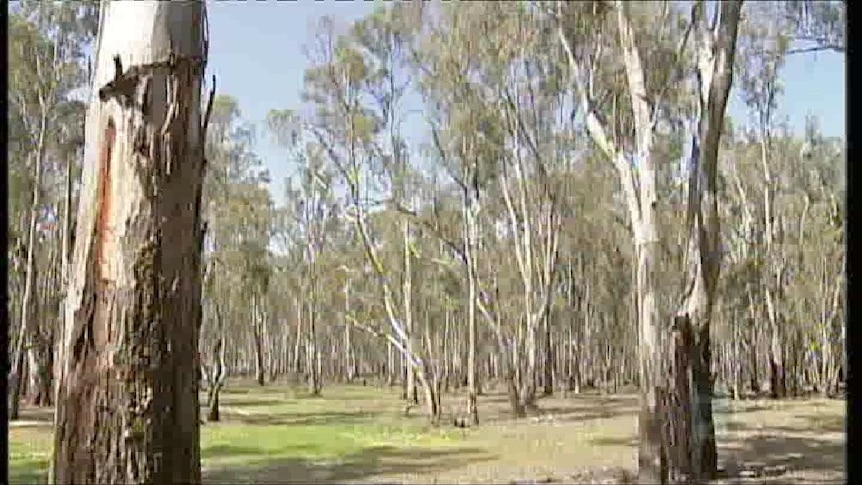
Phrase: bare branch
(209, 109)
(820, 48)
(434, 231)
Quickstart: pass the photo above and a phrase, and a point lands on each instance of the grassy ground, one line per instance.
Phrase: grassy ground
(278, 434)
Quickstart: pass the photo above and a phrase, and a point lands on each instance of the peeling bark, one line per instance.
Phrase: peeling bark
(715, 54)
(716, 48)
(127, 407)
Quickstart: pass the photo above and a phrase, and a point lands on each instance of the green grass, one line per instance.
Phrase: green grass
(29, 454)
(279, 434)
(270, 425)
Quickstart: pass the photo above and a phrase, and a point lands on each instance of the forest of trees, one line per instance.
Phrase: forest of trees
(576, 210)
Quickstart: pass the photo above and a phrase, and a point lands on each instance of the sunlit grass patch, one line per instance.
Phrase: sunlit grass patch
(29, 454)
(358, 434)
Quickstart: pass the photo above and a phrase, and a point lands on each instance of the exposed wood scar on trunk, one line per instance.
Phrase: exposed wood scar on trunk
(127, 397)
(84, 334)
(104, 201)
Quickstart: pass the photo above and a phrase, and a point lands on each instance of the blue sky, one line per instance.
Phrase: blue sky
(256, 54)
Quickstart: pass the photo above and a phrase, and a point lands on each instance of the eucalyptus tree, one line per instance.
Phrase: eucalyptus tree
(465, 138)
(382, 38)
(223, 143)
(804, 329)
(817, 25)
(347, 129)
(127, 410)
(238, 211)
(46, 67)
(594, 278)
(482, 106)
(764, 47)
(526, 85)
(313, 210)
(582, 34)
(289, 278)
(253, 259)
(821, 260)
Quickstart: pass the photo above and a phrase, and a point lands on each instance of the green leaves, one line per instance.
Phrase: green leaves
(284, 126)
(47, 75)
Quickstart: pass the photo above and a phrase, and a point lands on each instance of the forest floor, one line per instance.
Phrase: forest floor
(357, 434)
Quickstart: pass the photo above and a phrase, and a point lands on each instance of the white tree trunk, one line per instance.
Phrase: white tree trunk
(716, 49)
(127, 407)
(470, 209)
(715, 60)
(25, 328)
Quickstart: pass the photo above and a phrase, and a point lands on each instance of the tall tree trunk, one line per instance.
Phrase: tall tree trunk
(651, 454)
(40, 355)
(218, 378)
(471, 234)
(736, 359)
(127, 410)
(523, 245)
(25, 328)
(297, 347)
(65, 263)
(403, 339)
(349, 358)
(777, 374)
(256, 324)
(753, 354)
(716, 48)
(390, 364)
(641, 198)
(407, 299)
(548, 359)
(447, 316)
(312, 351)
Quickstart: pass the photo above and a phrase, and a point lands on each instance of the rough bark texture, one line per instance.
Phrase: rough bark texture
(127, 409)
(716, 51)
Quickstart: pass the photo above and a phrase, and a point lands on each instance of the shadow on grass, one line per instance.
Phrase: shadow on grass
(765, 454)
(827, 423)
(590, 409)
(722, 407)
(587, 406)
(771, 452)
(330, 418)
(772, 455)
(250, 402)
(294, 391)
(367, 463)
(244, 389)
